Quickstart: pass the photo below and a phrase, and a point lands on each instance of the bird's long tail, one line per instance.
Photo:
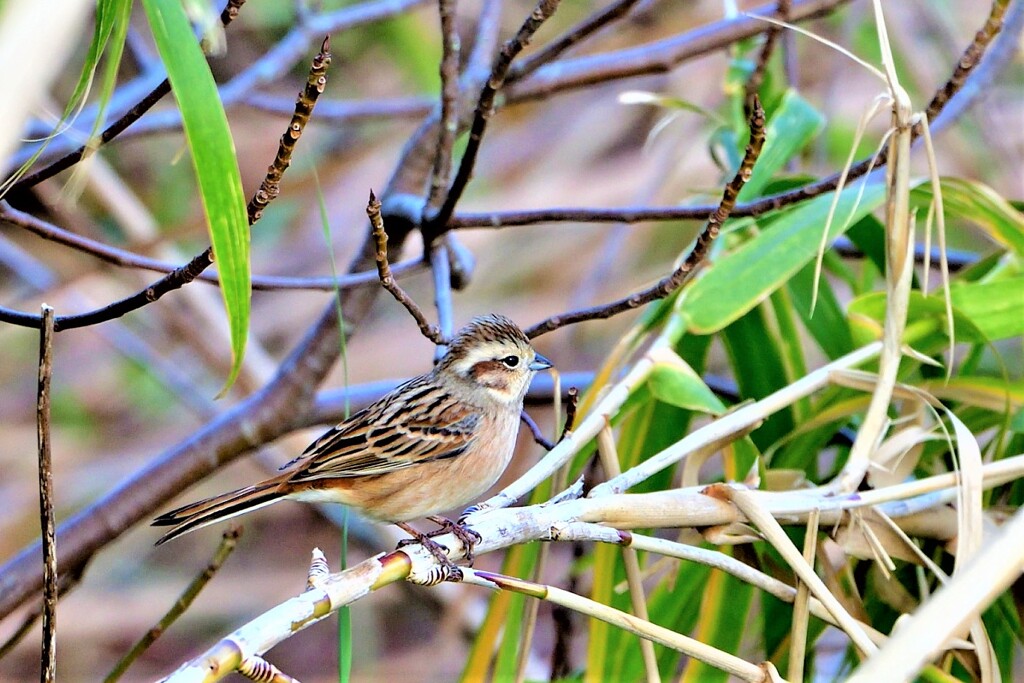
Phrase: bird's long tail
(211, 510)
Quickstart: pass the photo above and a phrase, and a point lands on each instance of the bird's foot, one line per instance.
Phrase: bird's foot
(467, 537)
(446, 570)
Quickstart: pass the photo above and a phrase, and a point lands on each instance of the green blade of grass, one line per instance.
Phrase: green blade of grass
(213, 156)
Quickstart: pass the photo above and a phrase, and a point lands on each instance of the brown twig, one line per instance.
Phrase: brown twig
(315, 82)
(449, 70)
(483, 112)
(680, 275)
(571, 403)
(771, 36)
(49, 541)
(117, 127)
(190, 271)
(387, 280)
(227, 545)
(574, 36)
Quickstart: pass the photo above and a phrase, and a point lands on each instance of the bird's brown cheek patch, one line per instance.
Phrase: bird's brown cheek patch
(490, 373)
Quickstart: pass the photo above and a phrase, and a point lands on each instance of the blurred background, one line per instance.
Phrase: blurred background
(126, 391)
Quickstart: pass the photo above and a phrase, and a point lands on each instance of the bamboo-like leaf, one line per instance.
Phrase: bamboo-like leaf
(213, 156)
(679, 385)
(748, 275)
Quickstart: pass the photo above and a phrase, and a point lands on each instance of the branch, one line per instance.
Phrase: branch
(680, 275)
(449, 102)
(574, 36)
(753, 84)
(387, 280)
(49, 648)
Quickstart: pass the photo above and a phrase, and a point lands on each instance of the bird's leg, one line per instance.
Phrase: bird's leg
(450, 571)
(466, 536)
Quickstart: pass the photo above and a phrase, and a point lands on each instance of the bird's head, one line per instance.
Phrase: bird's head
(491, 354)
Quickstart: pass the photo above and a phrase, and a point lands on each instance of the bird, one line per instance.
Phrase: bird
(434, 443)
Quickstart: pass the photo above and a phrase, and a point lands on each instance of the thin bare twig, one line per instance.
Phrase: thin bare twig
(227, 545)
(49, 648)
(387, 280)
(484, 110)
(771, 36)
(315, 83)
(448, 128)
(117, 127)
(571, 403)
(574, 36)
(685, 270)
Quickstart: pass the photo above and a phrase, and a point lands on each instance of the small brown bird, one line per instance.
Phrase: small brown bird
(432, 444)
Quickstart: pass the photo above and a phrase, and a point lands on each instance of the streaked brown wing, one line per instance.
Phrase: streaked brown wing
(414, 424)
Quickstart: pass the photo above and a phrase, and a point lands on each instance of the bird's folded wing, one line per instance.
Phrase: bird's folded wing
(365, 447)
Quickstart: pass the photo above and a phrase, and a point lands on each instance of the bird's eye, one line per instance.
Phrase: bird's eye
(510, 361)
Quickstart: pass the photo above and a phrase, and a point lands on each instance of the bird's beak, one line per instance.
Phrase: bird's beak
(540, 363)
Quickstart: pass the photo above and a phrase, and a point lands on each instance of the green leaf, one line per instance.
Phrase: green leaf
(792, 126)
(213, 155)
(750, 273)
(979, 204)
(828, 324)
(677, 384)
(982, 311)
(996, 308)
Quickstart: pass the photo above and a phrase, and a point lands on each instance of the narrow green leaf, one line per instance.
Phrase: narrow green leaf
(677, 384)
(791, 127)
(828, 324)
(757, 363)
(213, 155)
(749, 274)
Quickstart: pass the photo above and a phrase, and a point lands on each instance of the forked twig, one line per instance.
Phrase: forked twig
(680, 275)
(387, 280)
